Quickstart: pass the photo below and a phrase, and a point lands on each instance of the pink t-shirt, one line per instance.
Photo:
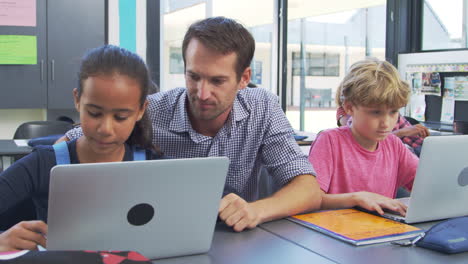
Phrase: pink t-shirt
(344, 166)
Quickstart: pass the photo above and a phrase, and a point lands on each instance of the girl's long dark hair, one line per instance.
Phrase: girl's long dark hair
(108, 60)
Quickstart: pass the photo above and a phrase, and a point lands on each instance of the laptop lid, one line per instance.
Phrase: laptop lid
(440, 189)
(159, 208)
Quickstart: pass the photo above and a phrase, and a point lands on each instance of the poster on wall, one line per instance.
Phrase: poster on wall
(18, 13)
(431, 83)
(17, 49)
(418, 106)
(448, 100)
(425, 79)
(461, 88)
(414, 80)
(448, 110)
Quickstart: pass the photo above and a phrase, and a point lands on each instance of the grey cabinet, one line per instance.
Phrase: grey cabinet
(73, 27)
(65, 30)
(25, 86)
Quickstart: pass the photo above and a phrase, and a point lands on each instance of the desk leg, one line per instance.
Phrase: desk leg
(6, 162)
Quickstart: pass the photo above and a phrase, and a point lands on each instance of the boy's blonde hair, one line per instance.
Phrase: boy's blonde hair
(372, 82)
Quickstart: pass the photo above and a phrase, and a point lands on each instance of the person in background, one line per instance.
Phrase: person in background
(111, 100)
(411, 135)
(364, 164)
(216, 115)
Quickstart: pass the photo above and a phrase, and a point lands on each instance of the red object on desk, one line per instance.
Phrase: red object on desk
(74, 257)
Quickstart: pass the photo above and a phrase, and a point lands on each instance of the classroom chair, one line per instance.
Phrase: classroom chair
(34, 129)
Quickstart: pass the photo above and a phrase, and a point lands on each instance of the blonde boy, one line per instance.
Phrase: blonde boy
(364, 164)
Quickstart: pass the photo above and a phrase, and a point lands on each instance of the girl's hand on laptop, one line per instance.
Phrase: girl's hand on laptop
(376, 202)
(24, 235)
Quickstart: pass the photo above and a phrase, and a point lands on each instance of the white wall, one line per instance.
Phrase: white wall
(10, 119)
(439, 57)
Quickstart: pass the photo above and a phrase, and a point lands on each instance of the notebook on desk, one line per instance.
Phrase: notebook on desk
(440, 189)
(159, 208)
(356, 227)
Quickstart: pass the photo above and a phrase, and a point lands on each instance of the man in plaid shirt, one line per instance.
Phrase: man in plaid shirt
(411, 135)
(216, 115)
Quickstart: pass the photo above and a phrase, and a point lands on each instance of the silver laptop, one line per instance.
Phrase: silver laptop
(159, 208)
(440, 189)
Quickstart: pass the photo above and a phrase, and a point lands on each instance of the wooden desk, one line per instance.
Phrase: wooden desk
(341, 252)
(307, 141)
(251, 246)
(8, 150)
(304, 143)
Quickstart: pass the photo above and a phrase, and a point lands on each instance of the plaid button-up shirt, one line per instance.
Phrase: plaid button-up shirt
(412, 141)
(257, 133)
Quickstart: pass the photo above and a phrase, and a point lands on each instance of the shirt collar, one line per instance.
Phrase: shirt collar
(240, 110)
(181, 122)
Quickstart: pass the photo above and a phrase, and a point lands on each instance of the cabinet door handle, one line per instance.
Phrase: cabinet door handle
(53, 69)
(42, 70)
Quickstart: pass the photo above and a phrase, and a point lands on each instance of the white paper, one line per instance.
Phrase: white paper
(418, 106)
(41, 248)
(448, 101)
(21, 142)
(12, 254)
(448, 110)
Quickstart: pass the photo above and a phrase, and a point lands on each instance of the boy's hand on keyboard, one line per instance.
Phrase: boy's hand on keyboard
(376, 202)
(24, 235)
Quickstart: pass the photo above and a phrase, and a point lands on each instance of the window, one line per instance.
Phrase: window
(323, 41)
(332, 36)
(256, 77)
(176, 62)
(179, 14)
(177, 17)
(317, 64)
(443, 24)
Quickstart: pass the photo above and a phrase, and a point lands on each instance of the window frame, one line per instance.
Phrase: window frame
(403, 35)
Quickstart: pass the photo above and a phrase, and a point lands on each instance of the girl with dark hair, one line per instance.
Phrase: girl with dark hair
(111, 99)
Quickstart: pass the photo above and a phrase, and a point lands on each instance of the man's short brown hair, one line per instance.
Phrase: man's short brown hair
(223, 35)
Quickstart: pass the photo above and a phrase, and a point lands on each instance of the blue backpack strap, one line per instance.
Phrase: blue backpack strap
(62, 156)
(139, 154)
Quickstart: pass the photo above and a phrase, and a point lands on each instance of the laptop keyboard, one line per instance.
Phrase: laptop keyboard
(440, 126)
(404, 200)
(394, 215)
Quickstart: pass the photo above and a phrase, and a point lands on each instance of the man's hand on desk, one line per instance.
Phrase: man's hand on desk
(237, 213)
(24, 235)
